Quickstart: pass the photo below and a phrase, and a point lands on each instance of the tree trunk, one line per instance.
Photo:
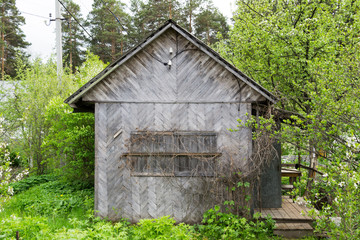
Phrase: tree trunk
(71, 48)
(190, 15)
(208, 34)
(313, 165)
(170, 15)
(113, 50)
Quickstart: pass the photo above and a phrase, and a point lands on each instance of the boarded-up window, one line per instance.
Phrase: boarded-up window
(172, 153)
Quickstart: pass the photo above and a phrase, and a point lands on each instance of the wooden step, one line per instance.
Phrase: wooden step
(293, 230)
(289, 212)
(287, 186)
(293, 226)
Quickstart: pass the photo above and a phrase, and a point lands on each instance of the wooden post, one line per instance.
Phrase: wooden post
(17, 235)
(311, 173)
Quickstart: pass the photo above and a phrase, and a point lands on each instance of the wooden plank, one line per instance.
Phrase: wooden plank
(290, 173)
(287, 186)
(101, 183)
(293, 226)
(275, 213)
(301, 210)
(174, 154)
(195, 76)
(132, 198)
(263, 92)
(285, 214)
(139, 48)
(296, 212)
(288, 165)
(291, 211)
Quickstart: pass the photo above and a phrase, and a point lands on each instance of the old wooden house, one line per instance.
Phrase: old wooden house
(162, 118)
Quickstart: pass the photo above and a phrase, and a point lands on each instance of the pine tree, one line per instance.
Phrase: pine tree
(12, 38)
(109, 32)
(73, 36)
(209, 22)
(149, 15)
(190, 9)
(197, 16)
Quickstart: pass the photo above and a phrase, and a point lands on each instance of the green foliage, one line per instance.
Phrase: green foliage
(198, 17)
(304, 52)
(53, 198)
(73, 36)
(13, 157)
(46, 135)
(39, 227)
(70, 141)
(12, 38)
(96, 230)
(32, 181)
(37, 213)
(5, 171)
(209, 23)
(109, 37)
(28, 227)
(26, 108)
(147, 16)
(218, 225)
(59, 210)
(161, 228)
(338, 192)
(7, 174)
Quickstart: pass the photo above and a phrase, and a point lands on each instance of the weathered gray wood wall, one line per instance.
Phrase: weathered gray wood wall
(195, 94)
(120, 194)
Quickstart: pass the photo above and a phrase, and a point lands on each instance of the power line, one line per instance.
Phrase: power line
(75, 19)
(117, 19)
(31, 14)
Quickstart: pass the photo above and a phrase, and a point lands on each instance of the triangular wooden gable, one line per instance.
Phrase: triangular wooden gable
(196, 74)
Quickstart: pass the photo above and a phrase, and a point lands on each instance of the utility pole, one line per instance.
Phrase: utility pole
(58, 40)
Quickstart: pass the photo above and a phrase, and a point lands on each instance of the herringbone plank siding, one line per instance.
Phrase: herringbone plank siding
(141, 197)
(194, 76)
(101, 193)
(195, 94)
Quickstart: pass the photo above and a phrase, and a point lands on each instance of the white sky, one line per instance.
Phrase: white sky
(42, 37)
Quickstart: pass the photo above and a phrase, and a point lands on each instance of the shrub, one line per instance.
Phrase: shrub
(161, 228)
(218, 225)
(51, 199)
(69, 145)
(340, 218)
(29, 182)
(28, 227)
